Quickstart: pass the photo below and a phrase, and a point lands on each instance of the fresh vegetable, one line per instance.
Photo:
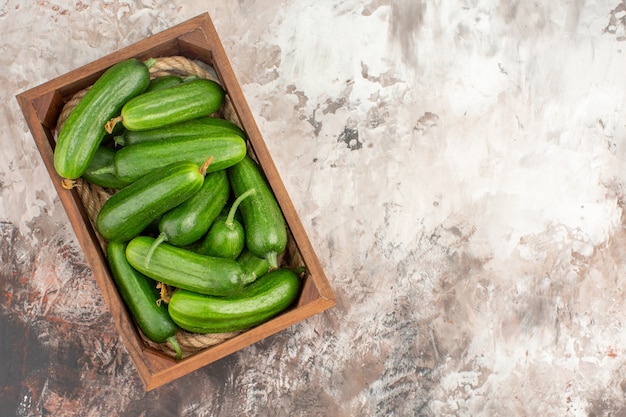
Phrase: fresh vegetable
(133, 162)
(96, 172)
(260, 301)
(226, 237)
(189, 221)
(141, 297)
(165, 81)
(265, 226)
(129, 211)
(167, 106)
(200, 127)
(182, 268)
(84, 130)
(211, 121)
(252, 264)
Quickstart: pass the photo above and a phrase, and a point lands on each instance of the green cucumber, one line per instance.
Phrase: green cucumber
(200, 127)
(252, 264)
(179, 103)
(219, 122)
(182, 268)
(129, 211)
(189, 221)
(260, 301)
(133, 162)
(96, 172)
(84, 130)
(141, 297)
(226, 237)
(263, 220)
(165, 81)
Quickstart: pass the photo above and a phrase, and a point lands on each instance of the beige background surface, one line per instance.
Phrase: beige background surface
(459, 167)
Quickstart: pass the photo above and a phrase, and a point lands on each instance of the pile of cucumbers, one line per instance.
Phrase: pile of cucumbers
(191, 209)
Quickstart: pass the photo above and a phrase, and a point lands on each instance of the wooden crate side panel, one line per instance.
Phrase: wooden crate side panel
(196, 45)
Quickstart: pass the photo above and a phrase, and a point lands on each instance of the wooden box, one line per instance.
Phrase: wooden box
(195, 39)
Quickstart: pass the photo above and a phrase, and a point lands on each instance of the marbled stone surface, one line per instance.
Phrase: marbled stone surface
(459, 167)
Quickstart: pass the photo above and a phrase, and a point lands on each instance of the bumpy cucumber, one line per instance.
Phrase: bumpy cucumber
(200, 127)
(185, 269)
(226, 237)
(84, 130)
(189, 221)
(264, 223)
(260, 301)
(97, 171)
(181, 102)
(141, 296)
(133, 162)
(126, 213)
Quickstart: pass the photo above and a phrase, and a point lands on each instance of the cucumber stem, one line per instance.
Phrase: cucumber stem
(248, 278)
(68, 184)
(233, 209)
(160, 239)
(272, 259)
(174, 342)
(164, 296)
(110, 125)
(149, 62)
(206, 164)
